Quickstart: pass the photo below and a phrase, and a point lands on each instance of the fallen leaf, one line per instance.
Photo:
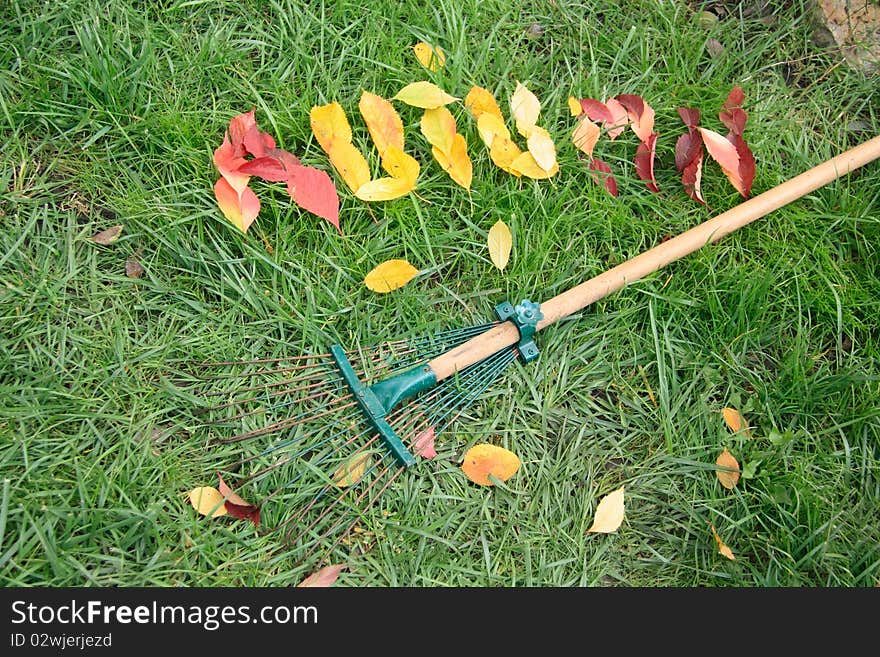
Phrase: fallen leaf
(609, 513)
(324, 577)
(490, 126)
(574, 107)
(400, 165)
(729, 476)
(431, 57)
(384, 189)
(525, 109)
(207, 500)
(229, 158)
(133, 269)
(500, 242)
(390, 275)
(352, 470)
(746, 163)
(691, 177)
(312, 190)
(596, 110)
(107, 236)
(423, 444)
(619, 118)
(426, 95)
(644, 162)
(585, 135)
(265, 167)
(640, 114)
(542, 148)
(503, 152)
(722, 548)
(438, 127)
(732, 114)
(484, 459)
(456, 163)
(236, 506)
(329, 125)
(526, 165)
(350, 165)
(480, 101)
(241, 210)
(724, 153)
(734, 420)
(383, 122)
(607, 179)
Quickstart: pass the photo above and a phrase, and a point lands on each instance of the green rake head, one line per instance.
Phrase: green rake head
(319, 438)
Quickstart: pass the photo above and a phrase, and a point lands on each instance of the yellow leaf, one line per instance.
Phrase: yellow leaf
(479, 101)
(525, 108)
(482, 460)
(525, 165)
(735, 420)
(390, 275)
(574, 106)
(383, 122)
(400, 165)
(500, 242)
(609, 513)
(207, 500)
(384, 189)
(585, 135)
(438, 127)
(431, 57)
(722, 548)
(424, 94)
(329, 125)
(352, 470)
(351, 165)
(542, 148)
(728, 478)
(456, 163)
(489, 126)
(503, 153)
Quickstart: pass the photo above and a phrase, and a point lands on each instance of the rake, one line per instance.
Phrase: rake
(331, 432)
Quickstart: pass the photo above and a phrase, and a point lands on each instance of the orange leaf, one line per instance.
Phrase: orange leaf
(585, 135)
(313, 190)
(525, 109)
(504, 152)
(456, 163)
(722, 548)
(383, 122)
(400, 165)
(734, 419)
(619, 118)
(483, 460)
(729, 476)
(390, 275)
(438, 127)
(479, 101)
(431, 57)
(424, 94)
(725, 154)
(324, 577)
(329, 125)
(350, 164)
(609, 513)
(526, 165)
(240, 210)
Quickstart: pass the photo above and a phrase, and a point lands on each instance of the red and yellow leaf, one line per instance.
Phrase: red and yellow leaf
(724, 153)
(425, 95)
(609, 513)
(236, 506)
(228, 164)
(239, 209)
(207, 500)
(483, 460)
(728, 470)
(585, 135)
(390, 275)
(383, 122)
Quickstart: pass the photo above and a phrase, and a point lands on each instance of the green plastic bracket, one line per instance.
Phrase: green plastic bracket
(376, 401)
(525, 317)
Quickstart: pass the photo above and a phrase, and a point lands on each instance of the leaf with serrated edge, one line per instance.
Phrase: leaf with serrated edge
(500, 242)
(329, 125)
(390, 275)
(438, 127)
(585, 135)
(490, 126)
(400, 165)
(609, 513)
(456, 163)
(728, 469)
(424, 94)
(526, 165)
(480, 101)
(431, 57)
(350, 165)
(383, 122)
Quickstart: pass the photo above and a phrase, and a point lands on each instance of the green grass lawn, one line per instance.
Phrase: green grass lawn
(109, 114)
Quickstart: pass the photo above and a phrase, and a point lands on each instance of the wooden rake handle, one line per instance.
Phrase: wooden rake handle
(712, 230)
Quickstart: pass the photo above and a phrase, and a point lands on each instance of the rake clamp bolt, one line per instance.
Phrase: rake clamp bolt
(525, 316)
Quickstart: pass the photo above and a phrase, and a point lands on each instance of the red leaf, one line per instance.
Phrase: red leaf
(267, 168)
(645, 162)
(691, 117)
(238, 128)
(236, 506)
(688, 148)
(313, 190)
(423, 444)
(746, 163)
(619, 118)
(596, 110)
(733, 116)
(324, 577)
(228, 164)
(635, 105)
(258, 142)
(691, 178)
(726, 155)
(609, 181)
(641, 115)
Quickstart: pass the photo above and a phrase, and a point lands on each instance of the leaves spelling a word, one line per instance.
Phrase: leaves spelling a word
(431, 57)
(352, 470)
(500, 242)
(484, 459)
(722, 548)
(728, 469)
(609, 513)
(324, 577)
(390, 275)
